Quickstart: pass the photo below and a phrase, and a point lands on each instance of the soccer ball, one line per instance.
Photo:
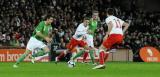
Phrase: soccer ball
(71, 64)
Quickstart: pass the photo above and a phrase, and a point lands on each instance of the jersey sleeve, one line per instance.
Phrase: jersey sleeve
(107, 20)
(50, 28)
(40, 26)
(90, 22)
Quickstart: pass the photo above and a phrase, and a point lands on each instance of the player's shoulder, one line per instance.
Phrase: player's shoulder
(41, 22)
(81, 25)
(110, 17)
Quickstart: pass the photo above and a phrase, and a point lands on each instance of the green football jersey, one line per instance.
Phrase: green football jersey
(43, 28)
(93, 26)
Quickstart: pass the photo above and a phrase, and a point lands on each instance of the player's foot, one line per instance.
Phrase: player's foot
(84, 62)
(94, 64)
(99, 67)
(15, 66)
(33, 60)
(56, 60)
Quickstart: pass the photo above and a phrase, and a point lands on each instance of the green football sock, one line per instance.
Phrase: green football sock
(22, 57)
(39, 53)
(91, 52)
(78, 54)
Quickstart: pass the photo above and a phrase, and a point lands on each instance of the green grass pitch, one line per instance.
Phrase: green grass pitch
(113, 69)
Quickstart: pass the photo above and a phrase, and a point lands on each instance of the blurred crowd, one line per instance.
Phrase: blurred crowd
(18, 18)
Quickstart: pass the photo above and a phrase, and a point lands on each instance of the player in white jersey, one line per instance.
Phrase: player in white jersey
(81, 31)
(78, 39)
(113, 36)
(92, 28)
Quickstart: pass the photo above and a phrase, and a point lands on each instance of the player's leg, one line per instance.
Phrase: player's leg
(90, 44)
(21, 58)
(30, 47)
(85, 55)
(107, 44)
(70, 47)
(61, 55)
(101, 51)
(86, 47)
(106, 56)
(80, 53)
(116, 39)
(45, 50)
(64, 53)
(91, 52)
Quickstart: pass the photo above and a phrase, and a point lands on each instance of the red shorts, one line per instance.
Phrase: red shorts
(112, 39)
(73, 43)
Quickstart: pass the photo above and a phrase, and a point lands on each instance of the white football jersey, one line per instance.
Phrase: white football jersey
(80, 32)
(117, 24)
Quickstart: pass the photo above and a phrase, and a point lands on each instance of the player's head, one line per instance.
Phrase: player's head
(95, 14)
(110, 11)
(86, 21)
(49, 19)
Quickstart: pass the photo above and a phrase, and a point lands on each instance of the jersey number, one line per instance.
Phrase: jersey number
(118, 25)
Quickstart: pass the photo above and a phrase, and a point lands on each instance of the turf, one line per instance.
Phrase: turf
(113, 69)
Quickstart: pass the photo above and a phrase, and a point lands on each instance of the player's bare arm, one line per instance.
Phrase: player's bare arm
(45, 37)
(90, 32)
(110, 26)
(126, 25)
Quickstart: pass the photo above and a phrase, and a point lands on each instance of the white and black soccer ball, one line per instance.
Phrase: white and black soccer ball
(71, 64)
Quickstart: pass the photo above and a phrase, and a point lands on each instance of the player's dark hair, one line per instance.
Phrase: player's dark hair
(86, 18)
(110, 11)
(48, 17)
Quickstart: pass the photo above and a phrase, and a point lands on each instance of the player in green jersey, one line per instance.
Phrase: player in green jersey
(89, 37)
(92, 28)
(41, 32)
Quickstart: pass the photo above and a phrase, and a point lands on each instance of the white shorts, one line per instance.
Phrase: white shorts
(34, 44)
(89, 39)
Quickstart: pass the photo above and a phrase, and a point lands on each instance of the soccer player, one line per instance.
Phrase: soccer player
(114, 35)
(78, 39)
(92, 27)
(41, 32)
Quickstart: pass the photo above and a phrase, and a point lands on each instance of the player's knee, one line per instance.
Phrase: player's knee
(66, 51)
(27, 51)
(92, 49)
(101, 47)
(46, 49)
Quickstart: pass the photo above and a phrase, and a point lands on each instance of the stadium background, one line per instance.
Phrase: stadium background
(18, 19)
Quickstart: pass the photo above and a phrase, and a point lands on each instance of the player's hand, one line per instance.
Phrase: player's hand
(89, 32)
(48, 39)
(84, 38)
(105, 37)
